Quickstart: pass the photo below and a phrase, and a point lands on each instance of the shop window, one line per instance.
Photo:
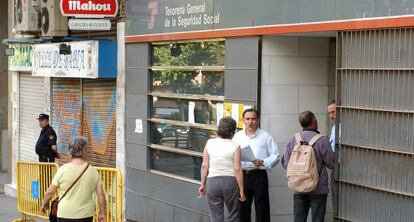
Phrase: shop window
(187, 83)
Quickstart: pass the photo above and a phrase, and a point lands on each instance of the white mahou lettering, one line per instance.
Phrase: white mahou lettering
(90, 6)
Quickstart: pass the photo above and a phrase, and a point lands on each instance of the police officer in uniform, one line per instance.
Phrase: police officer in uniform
(46, 144)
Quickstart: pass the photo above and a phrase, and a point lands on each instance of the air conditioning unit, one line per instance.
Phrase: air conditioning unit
(52, 21)
(26, 16)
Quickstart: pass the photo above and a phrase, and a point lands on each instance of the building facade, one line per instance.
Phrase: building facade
(190, 62)
(68, 73)
(4, 150)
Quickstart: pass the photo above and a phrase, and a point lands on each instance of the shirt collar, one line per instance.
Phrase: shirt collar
(313, 130)
(254, 135)
(45, 128)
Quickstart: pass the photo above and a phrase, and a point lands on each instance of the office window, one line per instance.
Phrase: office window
(187, 82)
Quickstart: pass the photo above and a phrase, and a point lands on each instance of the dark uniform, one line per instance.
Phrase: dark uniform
(44, 144)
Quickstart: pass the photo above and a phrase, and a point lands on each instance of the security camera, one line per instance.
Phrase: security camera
(64, 49)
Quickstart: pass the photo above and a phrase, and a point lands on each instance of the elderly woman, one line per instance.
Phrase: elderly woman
(78, 204)
(222, 171)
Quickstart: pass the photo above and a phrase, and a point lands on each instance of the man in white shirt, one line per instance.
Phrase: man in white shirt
(332, 116)
(256, 185)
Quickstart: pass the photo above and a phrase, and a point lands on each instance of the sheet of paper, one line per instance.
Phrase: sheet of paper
(247, 154)
(219, 112)
(235, 112)
(138, 126)
(191, 107)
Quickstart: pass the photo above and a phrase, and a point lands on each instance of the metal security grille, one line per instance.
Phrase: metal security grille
(31, 103)
(85, 108)
(375, 91)
(99, 103)
(66, 112)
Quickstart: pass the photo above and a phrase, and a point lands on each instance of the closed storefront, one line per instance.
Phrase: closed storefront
(83, 95)
(283, 57)
(85, 107)
(31, 103)
(30, 97)
(69, 68)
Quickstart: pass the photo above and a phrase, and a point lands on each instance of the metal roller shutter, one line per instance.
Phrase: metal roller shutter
(85, 107)
(375, 79)
(66, 112)
(31, 103)
(99, 103)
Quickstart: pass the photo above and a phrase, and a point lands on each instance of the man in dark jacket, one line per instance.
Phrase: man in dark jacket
(46, 147)
(316, 200)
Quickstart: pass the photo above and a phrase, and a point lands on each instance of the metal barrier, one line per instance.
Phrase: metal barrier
(34, 178)
(113, 186)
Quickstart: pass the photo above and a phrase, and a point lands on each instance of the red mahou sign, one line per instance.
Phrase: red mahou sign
(89, 8)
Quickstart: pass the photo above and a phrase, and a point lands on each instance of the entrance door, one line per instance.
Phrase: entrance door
(375, 79)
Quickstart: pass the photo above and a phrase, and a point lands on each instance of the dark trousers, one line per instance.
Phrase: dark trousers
(302, 203)
(223, 190)
(89, 219)
(197, 165)
(46, 158)
(256, 188)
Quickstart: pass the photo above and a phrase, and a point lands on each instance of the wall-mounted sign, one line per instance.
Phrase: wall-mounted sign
(156, 16)
(20, 61)
(90, 24)
(143, 17)
(89, 8)
(87, 59)
(35, 189)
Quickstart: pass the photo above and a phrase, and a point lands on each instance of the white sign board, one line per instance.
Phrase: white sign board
(138, 126)
(90, 24)
(82, 62)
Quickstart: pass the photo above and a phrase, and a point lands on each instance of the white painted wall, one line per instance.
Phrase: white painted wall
(120, 100)
(10, 189)
(120, 104)
(297, 75)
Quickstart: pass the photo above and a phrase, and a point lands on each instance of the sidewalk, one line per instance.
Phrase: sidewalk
(8, 208)
(8, 205)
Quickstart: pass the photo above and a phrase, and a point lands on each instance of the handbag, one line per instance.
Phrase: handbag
(55, 202)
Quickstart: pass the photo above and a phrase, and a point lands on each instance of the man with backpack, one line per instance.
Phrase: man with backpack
(307, 156)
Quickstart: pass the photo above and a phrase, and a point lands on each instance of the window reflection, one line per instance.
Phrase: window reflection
(189, 82)
(203, 111)
(188, 138)
(178, 164)
(191, 69)
(189, 54)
